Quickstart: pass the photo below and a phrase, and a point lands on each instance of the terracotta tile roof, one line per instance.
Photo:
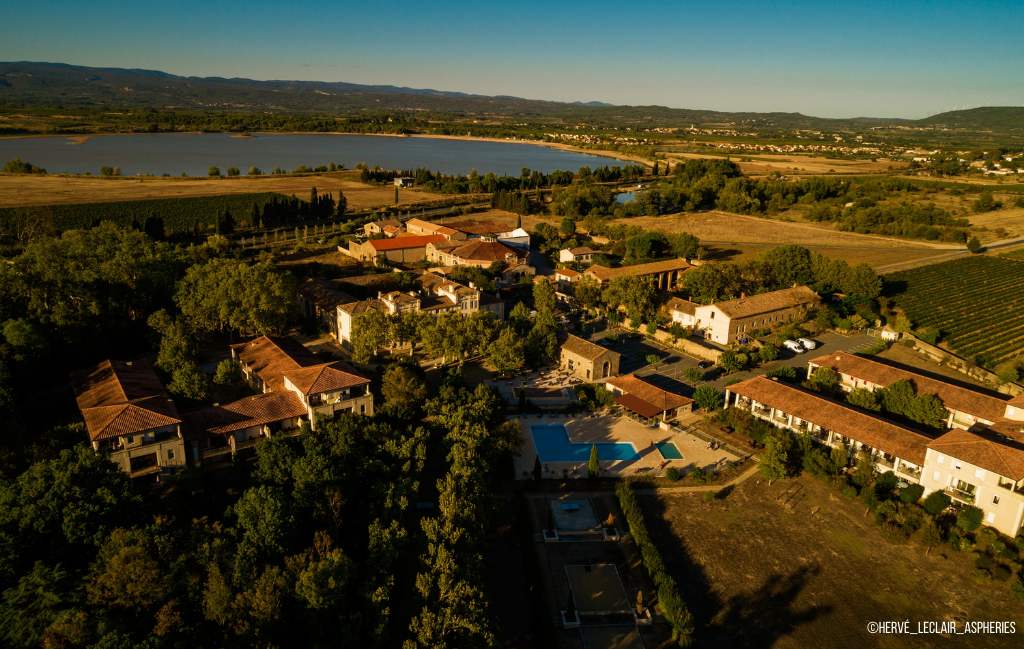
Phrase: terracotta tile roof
(325, 378)
(1017, 401)
(361, 307)
(682, 306)
(478, 227)
(446, 245)
(271, 357)
(584, 348)
(436, 303)
(652, 394)
(386, 222)
(245, 413)
(430, 227)
(985, 450)
(831, 415)
(768, 302)
(322, 293)
(485, 251)
(638, 405)
(583, 250)
(953, 397)
(567, 272)
(398, 243)
(122, 398)
(605, 274)
(391, 229)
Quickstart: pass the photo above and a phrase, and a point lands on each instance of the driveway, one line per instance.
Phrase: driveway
(676, 363)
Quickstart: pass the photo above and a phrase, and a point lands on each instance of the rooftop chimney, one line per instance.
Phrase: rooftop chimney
(380, 294)
(743, 295)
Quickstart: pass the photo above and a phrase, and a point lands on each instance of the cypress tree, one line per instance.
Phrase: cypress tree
(537, 471)
(594, 466)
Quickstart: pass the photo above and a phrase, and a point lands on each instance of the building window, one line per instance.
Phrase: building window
(941, 459)
(712, 315)
(957, 466)
(980, 474)
(991, 517)
(995, 500)
(130, 440)
(170, 454)
(935, 476)
(362, 409)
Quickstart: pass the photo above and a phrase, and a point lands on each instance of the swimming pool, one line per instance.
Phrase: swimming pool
(669, 451)
(553, 445)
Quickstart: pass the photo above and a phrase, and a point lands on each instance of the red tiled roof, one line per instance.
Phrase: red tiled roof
(652, 394)
(244, 413)
(604, 274)
(1005, 457)
(398, 243)
(584, 348)
(484, 251)
(638, 405)
(271, 358)
(567, 272)
(767, 302)
(325, 378)
(682, 306)
(831, 415)
(953, 397)
(122, 398)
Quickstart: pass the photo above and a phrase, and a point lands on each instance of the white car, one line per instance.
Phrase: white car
(808, 344)
(794, 346)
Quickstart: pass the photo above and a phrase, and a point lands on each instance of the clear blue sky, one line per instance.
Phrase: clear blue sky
(831, 59)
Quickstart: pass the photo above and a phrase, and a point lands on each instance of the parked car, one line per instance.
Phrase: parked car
(794, 346)
(807, 343)
(704, 364)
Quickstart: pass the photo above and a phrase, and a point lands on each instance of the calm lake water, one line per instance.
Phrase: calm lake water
(195, 153)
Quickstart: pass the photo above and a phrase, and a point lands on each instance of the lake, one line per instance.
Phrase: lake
(195, 153)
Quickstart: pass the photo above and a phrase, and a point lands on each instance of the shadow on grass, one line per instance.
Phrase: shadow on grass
(754, 619)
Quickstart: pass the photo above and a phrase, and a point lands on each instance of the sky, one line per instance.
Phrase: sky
(828, 59)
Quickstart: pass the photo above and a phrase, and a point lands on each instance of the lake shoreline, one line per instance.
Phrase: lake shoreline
(557, 146)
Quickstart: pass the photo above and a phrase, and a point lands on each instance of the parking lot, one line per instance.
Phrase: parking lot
(674, 363)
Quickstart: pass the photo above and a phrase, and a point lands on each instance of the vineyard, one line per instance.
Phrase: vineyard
(977, 304)
(173, 215)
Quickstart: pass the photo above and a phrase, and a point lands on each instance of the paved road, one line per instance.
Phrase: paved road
(674, 363)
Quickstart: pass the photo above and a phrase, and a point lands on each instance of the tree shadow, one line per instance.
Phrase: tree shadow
(749, 619)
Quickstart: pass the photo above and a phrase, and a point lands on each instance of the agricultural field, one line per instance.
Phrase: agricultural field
(977, 303)
(16, 190)
(796, 565)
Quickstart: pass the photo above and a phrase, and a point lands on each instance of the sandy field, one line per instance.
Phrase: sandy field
(49, 190)
(795, 164)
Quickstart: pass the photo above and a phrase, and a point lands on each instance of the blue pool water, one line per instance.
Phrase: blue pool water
(552, 442)
(669, 451)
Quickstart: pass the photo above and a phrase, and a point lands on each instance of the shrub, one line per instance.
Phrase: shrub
(849, 491)
(982, 561)
(894, 533)
(969, 518)
(672, 474)
(912, 493)
(887, 481)
(1017, 588)
(1019, 542)
(672, 604)
(988, 534)
(887, 509)
(709, 497)
(699, 479)
(1000, 573)
(785, 373)
(936, 502)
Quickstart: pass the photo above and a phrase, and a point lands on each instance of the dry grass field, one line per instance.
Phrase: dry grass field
(49, 190)
(795, 164)
(1010, 219)
(874, 257)
(813, 572)
(726, 227)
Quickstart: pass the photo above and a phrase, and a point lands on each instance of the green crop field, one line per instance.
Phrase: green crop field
(977, 304)
(178, 215)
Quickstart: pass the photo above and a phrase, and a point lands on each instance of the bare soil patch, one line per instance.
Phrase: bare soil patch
(762, 570)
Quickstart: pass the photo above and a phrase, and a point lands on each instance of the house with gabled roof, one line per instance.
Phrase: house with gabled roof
(664, 274)
(723, 322)
(586, 360)
(399, 250)
(647, 402)
(130, 417)
(272, 364)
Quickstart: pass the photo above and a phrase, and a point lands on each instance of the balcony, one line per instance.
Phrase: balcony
(248, 443)
(880, 459)
(909, 471)
(762, 412)
(781, 419)
(1011, 486)
(214, 452)
(959, 494)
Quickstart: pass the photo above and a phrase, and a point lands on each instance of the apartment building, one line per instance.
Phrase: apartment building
(131, 418)
(724, 322)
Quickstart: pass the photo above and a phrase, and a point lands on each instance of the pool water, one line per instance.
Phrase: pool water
(553, 445)
(669, 451)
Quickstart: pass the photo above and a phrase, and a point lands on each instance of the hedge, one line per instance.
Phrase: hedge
(174, 214)
(672, 604)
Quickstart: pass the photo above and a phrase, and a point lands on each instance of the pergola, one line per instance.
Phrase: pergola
(639, 410)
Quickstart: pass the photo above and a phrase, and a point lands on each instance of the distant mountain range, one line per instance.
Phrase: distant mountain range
(62, 84)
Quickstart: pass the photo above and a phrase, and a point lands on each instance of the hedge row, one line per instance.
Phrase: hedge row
(672, 604)
(172, 215)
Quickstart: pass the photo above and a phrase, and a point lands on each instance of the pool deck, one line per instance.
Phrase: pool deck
(591, 429)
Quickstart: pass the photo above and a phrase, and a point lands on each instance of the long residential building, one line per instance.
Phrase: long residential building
(399, 250)
(130, 416)
(664, 274)
(983, 466)
(724, 322)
